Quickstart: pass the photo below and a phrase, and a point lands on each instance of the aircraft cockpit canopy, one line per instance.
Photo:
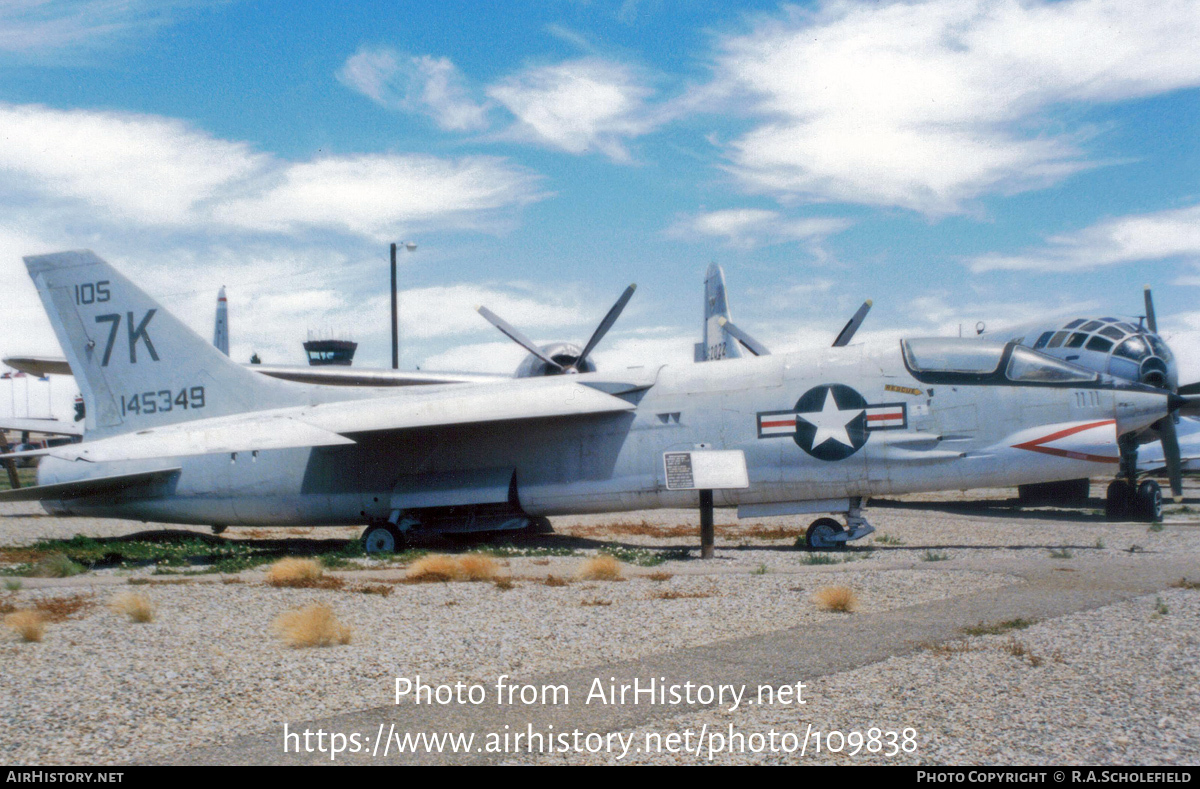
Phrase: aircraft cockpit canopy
(951, 360)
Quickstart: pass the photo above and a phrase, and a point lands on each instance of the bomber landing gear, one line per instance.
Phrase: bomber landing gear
(1125, 501)
(382, 537)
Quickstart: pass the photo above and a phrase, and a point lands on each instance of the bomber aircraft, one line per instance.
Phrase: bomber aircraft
(1131, 349)
(177, 432)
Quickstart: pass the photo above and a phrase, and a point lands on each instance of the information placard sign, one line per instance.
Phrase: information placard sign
(706, 470)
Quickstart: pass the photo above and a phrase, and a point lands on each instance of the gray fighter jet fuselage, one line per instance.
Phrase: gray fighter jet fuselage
(179, 433)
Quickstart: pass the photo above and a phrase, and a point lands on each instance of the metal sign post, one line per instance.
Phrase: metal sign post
(706, 470)
(395, 317)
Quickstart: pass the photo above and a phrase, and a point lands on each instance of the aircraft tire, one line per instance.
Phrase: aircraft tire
(539, 525)
(1118, 500)
(381, 538)
(1148, 501)
(817, 538)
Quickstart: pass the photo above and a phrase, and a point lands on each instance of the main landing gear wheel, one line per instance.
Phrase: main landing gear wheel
(1147, 502)
(820, 536)
(539, 525)
(1124, 501)
(1118, 500)
(382, 538)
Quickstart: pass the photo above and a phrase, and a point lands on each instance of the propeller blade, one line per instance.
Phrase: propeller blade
(1151, 322)
(1170, 445)
(848, 331)
(516, 336)
(1184, 406)
(1186, 389)
(605, 325)
(752, 345)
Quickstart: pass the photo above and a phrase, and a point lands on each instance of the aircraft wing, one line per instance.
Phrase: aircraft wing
(328, 376)
(361, 376)
(38, 365)
(330, 424)
(52, 427)
(99, 486)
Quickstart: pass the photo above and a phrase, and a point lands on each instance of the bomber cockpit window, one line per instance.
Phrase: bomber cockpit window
(1134, 348)
(1160, 348)
(1041, 341)
(951, 355)
(1028, 367)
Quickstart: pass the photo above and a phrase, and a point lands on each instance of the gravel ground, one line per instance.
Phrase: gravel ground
(207, 669)
(1116, 685)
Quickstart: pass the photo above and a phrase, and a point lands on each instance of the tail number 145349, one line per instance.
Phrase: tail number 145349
(163, 400)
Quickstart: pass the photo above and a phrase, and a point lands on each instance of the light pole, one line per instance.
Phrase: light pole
(411, 247)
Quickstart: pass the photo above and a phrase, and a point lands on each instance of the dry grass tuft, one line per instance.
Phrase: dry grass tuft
(595, 601)
(600, 568)
(55, 609)
(836, 598)
(554, 580)
(477, 567)
(1184, 583)
(504, 584)
(950, 648)
(29, 624)
(313, 625)
(294, 573)
(435, 567)
(135, 606)
(668, 594)
(660, 576)
(383, 590)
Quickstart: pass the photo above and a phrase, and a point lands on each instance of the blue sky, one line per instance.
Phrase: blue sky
(954, 160)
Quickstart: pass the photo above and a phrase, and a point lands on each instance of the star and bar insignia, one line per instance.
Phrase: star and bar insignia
(832, 421)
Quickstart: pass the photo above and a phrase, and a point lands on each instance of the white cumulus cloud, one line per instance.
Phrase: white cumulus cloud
(579, 106)
(1127, 239)
(927, 105)
(415, 83)
(748, 227)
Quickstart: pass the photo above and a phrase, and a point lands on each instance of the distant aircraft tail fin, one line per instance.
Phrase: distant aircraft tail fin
(136, 364)
(717, 343)
(221, 327)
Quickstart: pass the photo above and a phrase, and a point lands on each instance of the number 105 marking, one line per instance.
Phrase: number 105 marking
(163, 400)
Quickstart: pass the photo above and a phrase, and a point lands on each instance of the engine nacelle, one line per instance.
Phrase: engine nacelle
(563, 353)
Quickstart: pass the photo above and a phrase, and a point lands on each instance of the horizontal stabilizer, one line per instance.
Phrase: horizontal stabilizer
(39, 365)
(88, 487)
(242, 433)
(53, 427)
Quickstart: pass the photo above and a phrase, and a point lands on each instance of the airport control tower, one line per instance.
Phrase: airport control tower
(329, 350)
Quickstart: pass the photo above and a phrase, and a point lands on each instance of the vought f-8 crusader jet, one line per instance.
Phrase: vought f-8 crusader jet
(177, 432)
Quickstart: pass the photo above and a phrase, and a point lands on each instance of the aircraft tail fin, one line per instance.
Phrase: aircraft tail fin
(718, 343)
(221, 327)
(136, 364)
